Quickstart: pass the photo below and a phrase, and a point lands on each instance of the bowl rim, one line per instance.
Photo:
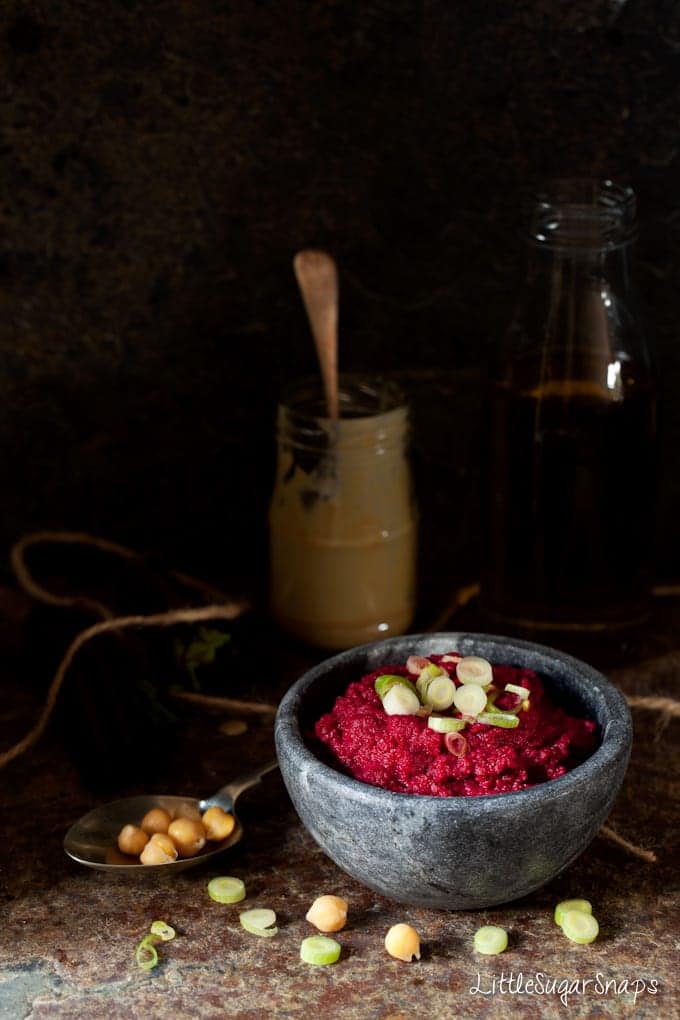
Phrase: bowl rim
(617, 732)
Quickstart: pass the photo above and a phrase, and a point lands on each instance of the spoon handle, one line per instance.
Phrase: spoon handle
(232, 790)
(317, 277)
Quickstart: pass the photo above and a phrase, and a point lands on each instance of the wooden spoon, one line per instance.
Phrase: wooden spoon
(317, 278)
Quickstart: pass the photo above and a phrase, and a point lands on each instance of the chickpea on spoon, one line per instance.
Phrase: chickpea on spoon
(171, 833)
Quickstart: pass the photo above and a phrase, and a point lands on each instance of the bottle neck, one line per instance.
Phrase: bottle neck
(580, 297)
(577, 317)
(579, 246)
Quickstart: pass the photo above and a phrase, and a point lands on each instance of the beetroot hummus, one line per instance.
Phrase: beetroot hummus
(402, 753)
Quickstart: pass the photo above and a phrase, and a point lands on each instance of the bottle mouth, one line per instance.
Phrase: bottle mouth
(582, 214)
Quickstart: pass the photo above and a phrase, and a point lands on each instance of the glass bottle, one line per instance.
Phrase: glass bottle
(342, 516)
(570, 464)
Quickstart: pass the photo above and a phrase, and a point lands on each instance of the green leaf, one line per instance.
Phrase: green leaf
(200, 652)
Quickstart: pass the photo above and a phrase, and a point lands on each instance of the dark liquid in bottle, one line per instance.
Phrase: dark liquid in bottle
(570, 504)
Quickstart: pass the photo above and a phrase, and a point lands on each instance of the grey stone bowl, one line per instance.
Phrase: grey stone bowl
(454, 853)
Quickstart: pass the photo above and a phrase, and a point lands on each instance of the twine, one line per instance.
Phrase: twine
(223, 609)
(168, 619)
(637, 851)
(17, 558)
(227, 610)
(227, 704)
(667, 706)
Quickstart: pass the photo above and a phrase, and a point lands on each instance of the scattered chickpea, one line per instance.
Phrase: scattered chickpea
(403, 942)
(156, 820)
(218, 824)
(187, 835)
(132, 840)
(234, 727)
(328, 913)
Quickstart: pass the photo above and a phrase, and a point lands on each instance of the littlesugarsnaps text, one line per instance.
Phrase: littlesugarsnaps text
(566, 989)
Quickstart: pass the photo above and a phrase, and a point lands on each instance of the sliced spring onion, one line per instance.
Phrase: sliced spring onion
(474, 670)
(506, 720)
(425, 678)
(260, 921)
(399, 700)
(566, 905)
(440, 692)
(422, 683)
(469, 699)
(146, 954)
(580, 927)
(521, 692)
(387, 681)
(490, 940)
(415, 664)
(431, 671)
(226, 889)
(165, 932)
(319, 950)
(456, 744)
(445, 724)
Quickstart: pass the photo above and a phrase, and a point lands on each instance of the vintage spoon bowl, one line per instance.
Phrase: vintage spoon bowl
(92, 840)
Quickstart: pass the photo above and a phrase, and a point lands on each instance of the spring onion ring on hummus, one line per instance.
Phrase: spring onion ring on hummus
(453, 726)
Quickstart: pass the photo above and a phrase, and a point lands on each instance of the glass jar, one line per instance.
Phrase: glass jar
(342, 516)
(570, 465)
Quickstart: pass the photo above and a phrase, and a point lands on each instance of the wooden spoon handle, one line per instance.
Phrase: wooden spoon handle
(317, 278)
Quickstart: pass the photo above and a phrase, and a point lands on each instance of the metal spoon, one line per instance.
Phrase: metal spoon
(317, 278)
(92, 840)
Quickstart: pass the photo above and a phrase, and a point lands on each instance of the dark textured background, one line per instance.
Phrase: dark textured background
(161, 163)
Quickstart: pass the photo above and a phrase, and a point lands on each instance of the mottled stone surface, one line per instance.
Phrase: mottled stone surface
(160, 165)
(68, 935)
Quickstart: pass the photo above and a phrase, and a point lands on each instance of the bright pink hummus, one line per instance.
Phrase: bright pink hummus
(401, 753)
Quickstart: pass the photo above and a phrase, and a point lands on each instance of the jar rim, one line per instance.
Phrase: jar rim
(379, 417)
(582, 214)
(361, 396)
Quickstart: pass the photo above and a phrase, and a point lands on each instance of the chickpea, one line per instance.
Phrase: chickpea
(159, 850)
(234, 727)
(218, 824)
(114, 856)
(328, 913)
(403, 942)
(187, 835)
(132, 840)
(156, 820)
